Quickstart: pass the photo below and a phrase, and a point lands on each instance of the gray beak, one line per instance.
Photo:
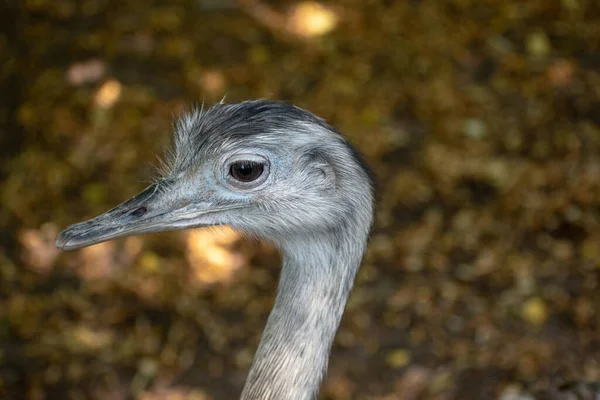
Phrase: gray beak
(141, 214)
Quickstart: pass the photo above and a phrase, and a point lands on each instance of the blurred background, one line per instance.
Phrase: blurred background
(479, 117)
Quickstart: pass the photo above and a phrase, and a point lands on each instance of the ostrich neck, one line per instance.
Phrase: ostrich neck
(315, 282)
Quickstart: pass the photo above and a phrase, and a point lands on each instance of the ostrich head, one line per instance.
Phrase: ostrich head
(269, 169)
(273, 171)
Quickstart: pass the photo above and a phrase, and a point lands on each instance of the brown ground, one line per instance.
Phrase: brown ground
(480, 119)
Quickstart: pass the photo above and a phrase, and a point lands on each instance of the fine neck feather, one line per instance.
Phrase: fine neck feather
(316, 278)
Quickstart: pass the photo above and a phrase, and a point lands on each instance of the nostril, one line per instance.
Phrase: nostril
(134, 215)
(138, 212)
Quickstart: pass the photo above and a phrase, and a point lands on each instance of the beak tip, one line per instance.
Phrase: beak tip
(62, 241)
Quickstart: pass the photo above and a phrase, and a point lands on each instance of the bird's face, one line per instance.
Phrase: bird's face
(273, 186)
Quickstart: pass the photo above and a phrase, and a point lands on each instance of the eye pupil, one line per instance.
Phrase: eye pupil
(246, 171)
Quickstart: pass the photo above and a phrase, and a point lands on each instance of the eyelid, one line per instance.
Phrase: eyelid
(247, 157)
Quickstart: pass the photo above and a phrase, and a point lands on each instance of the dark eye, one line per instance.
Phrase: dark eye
(246, 171)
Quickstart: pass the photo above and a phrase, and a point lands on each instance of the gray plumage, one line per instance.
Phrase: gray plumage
(313, 198)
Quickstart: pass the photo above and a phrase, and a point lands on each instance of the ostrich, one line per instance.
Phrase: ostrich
(279, 173)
